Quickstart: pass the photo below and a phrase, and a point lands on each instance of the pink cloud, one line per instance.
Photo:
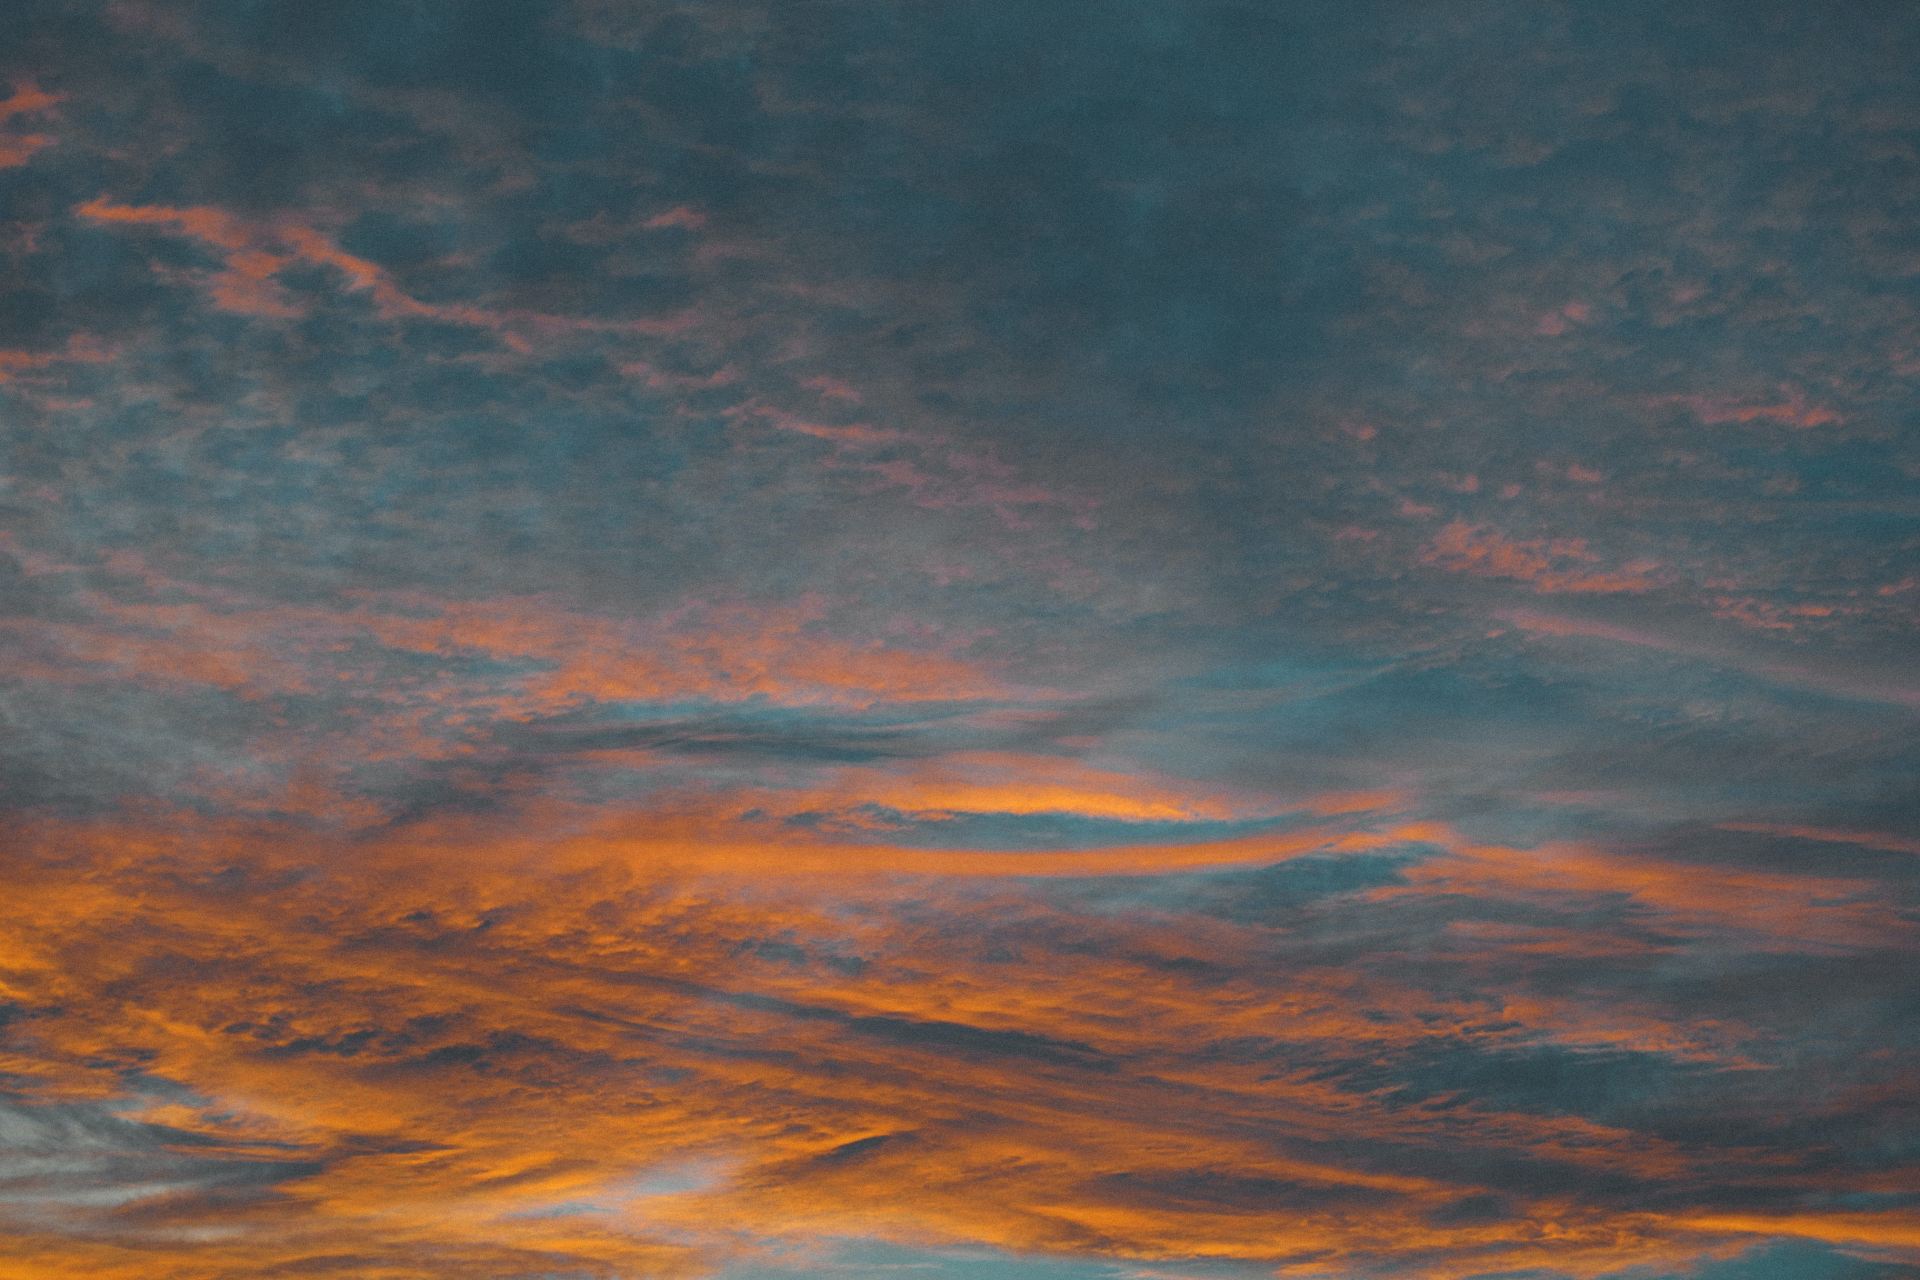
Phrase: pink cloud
(1554, 323)
(832, 389)
(79, 349)
(683, 217)
(1893, 690)
(254, 254)
(1765, 615)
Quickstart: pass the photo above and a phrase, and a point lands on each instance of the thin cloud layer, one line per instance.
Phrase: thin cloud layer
(744, 640)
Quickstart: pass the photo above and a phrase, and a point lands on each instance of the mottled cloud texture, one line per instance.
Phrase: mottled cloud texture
(1164, 640)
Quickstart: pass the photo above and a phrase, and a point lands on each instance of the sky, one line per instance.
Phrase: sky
(969, 640)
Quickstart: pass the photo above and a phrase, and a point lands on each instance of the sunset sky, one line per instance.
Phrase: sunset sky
(959, 639)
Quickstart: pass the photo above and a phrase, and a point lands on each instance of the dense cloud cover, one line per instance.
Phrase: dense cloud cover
(1167, 639)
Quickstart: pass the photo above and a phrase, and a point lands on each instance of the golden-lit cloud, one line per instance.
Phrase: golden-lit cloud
(743, 641)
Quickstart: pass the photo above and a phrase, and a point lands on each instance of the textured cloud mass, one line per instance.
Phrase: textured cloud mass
(985, 639)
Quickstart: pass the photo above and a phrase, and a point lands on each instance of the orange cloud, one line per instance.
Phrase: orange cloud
(490, 1067)
(1010, 783)
(1886, 840)
(1778, 910)
(26, 99)
(730, 652)
(1549, 566)
(245, 283)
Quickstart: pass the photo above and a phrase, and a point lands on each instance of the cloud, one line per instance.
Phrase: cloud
(1792, 411)
(690, 1022)
(754, 640)
(25, 100)
(1549, 566)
